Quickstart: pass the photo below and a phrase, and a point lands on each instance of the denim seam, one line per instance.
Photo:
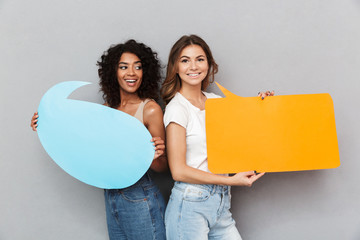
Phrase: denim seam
(131, 200)
(179, 219)
(113, 210)
(158, 204)
(152, 218)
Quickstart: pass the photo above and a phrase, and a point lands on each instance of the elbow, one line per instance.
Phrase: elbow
(159, 166)
(177, 176)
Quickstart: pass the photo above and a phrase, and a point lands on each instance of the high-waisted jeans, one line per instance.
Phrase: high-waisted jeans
(198, 211)
(135, 212)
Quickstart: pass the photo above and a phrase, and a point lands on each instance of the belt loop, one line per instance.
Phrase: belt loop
(213, 190)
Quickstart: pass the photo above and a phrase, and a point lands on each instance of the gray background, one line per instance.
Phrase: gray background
(293, 47)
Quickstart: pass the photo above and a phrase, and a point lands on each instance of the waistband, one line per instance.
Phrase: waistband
(143, 181)
(212, 188)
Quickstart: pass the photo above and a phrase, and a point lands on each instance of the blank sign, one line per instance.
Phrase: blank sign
(279, 133)
(98, 145)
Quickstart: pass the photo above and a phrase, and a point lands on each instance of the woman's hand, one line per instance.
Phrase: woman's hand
(244, 178)
(33, 123)
(263, 95)
(159, 146)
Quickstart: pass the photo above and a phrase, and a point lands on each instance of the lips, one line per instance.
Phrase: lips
(130, 80)
(193, 74)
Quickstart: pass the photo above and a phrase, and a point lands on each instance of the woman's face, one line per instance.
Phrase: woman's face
(192, 65)
(129, 72)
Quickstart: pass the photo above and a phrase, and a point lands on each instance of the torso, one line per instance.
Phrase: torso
(135, 109)
(183, 112)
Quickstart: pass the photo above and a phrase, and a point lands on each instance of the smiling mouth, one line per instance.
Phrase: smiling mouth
(193, 74)
(130, 80)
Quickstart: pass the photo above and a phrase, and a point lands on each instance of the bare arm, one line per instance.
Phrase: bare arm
(153, 120)
(176, 150)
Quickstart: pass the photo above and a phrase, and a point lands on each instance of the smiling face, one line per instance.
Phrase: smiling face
(192, 66)
(129, 72)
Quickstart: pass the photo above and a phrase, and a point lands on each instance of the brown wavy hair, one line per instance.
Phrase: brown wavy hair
(172, 83)
(108, 65)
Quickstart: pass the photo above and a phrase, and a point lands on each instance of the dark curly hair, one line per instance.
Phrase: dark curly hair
(108, 65)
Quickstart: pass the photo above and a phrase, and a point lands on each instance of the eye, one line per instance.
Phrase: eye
(201, 59)
(138, 67)
(184, 60)
(122, 67)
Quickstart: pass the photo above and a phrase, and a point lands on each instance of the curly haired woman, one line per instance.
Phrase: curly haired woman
(129, 79)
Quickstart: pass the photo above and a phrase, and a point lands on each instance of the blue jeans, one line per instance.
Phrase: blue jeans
(198, 211)
(135, 212)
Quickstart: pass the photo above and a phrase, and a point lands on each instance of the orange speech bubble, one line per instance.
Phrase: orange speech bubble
(279, 133)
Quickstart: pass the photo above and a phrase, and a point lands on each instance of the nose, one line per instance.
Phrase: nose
(131, 71)
(193, 65)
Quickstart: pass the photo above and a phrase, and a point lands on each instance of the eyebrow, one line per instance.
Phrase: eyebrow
(128, 63)
(189, 57)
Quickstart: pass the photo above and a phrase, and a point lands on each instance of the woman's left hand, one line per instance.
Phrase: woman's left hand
(263, 95)
(159, 146)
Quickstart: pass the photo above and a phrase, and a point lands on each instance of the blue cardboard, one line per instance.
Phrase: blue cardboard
(96, 144)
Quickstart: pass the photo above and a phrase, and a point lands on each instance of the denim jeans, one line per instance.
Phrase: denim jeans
(199, 212)
(135, 212)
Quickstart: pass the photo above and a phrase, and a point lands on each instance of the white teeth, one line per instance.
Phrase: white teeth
(193, 74)
(130, 81)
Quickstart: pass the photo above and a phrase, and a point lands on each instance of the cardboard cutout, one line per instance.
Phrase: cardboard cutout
(279, 133)
(96, 144)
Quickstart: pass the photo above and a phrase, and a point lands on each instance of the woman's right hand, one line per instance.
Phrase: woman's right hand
(34, 120)
(159, 146)
(245, 178)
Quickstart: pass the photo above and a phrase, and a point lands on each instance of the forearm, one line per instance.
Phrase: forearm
(160, 164)
(192, 175)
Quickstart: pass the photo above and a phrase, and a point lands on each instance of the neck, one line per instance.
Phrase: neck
(191, 92)
(194, 95)
(126, 98)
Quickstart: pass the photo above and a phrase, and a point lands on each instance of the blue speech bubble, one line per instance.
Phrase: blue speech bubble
(98, 145)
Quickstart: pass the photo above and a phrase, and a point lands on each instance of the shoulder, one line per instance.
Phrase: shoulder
(152, 109)
(176, 111)
(211, 95)
(177, 104)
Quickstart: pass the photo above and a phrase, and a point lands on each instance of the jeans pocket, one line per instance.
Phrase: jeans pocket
(195, 194)
(133, 194)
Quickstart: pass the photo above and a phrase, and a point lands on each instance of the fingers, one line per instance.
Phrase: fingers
(33, 123)
(159, 146)
(247, 178)
(253, 176)
(158, 143)
(249, 173)
(158, 153)
(154, 139)
(256, 177)
(263, 95)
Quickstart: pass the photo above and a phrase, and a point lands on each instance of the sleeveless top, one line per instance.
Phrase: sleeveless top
(140, 111)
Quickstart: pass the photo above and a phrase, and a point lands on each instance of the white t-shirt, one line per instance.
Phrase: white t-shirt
(179, 110)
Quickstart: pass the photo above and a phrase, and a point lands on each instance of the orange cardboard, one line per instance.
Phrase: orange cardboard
(279, 133)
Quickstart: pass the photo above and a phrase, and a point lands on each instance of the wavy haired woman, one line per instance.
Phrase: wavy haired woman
(199, 205)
